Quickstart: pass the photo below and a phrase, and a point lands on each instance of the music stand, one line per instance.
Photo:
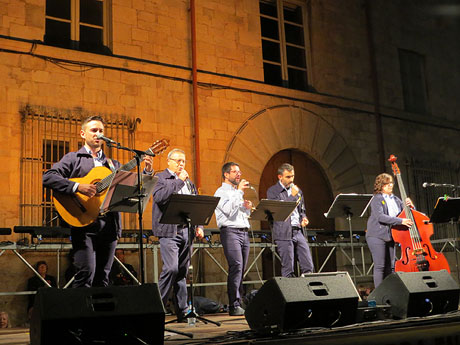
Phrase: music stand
(125, 195)
(122, 195)
(273, 210)
(345, 205)
(447, 210)
(190, 210)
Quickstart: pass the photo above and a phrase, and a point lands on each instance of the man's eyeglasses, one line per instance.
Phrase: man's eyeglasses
(236, 172)
(178, 161)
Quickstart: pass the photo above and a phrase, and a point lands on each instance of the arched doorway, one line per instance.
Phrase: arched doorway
(296, 129)
(310, 177)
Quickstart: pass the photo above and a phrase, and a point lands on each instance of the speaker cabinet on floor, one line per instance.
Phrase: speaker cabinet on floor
(418, 293)
(112, 315)
(317, 300)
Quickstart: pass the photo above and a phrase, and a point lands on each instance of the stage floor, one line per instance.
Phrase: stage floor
(438, 329)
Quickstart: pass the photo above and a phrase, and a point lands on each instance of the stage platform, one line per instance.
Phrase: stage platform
(433, 330)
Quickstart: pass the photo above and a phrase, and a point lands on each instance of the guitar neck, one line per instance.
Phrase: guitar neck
(105, 182)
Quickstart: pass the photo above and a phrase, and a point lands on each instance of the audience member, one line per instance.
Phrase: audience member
(4, 321)
(35, 282)
(118, 275)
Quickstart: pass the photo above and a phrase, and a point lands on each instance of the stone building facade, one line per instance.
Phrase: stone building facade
(381, 77)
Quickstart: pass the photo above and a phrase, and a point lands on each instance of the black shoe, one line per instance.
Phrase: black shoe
(236, 311)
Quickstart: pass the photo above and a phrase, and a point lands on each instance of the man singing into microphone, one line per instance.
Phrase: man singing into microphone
(288, 235)
(94, 245)
(174, 238)
(232, 214)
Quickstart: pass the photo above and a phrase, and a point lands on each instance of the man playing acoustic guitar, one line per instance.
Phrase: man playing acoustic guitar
(94, 244)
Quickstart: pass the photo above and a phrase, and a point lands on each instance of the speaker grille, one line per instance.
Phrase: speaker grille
(317, 300)
(418, 293)
(112, 315)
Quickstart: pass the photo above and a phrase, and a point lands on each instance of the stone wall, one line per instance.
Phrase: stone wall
(240, 118)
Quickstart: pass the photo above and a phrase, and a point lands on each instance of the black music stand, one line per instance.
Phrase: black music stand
(346, 205)
(447, 210)
(122, 195)
(125, 195)
(190, 210)
(273, 210)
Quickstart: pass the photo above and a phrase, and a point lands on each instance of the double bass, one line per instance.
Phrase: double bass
(417, 252)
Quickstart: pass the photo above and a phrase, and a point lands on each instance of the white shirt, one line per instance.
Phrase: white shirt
(295, 216)
(230, 211)
(97, 163)
(393, 209)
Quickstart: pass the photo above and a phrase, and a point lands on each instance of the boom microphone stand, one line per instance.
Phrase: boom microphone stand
(139, 198)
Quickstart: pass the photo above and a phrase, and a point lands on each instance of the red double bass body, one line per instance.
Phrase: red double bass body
(419, 256)
(417, 252)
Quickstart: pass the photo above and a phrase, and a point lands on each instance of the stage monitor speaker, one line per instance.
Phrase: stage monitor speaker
(418, 293)
(316, 300)
(112, 315)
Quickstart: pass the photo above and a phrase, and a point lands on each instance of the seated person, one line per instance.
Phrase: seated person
(4, 322)
(34, 283)
(118, 275)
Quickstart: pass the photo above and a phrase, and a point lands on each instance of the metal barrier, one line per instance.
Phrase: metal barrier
(364, 270)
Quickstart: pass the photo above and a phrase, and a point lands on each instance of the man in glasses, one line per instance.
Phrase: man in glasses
(174, 238)
(232, 215)
(288, 235)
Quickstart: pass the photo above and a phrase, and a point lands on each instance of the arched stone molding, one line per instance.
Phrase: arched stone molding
(290, 127)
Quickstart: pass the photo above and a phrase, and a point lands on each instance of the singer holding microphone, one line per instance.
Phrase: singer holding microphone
(288, 236)
(94, 245)
(174, 241)
(232, 215)
(385, 208)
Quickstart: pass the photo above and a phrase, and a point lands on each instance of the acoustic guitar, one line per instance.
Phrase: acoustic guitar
(79, 210)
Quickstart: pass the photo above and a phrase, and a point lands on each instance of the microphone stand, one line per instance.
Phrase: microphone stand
(138, 156)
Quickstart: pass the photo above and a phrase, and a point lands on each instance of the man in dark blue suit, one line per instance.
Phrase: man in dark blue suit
(288, 235)
(174, 238)
(93, 245)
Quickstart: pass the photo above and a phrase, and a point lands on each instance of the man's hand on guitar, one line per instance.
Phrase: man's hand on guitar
(87, 189)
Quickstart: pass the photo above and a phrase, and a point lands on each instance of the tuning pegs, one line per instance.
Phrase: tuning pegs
(392, 158)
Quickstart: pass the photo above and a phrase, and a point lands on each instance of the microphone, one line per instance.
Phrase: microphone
(107, 140)
(189, 185)
(427, 184)
(251, 187)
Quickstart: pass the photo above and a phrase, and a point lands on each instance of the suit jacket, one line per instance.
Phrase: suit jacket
(380, 223)
(283, 230)
(166, 186)
(76, 164)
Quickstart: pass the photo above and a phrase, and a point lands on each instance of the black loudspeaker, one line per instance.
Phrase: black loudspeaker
(112, 315)
(418, 293)
(316, 300)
